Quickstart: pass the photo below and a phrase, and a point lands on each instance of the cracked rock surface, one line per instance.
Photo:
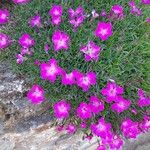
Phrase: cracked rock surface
(24, 126)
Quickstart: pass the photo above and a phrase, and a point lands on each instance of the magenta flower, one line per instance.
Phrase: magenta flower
(19, 58)
(101, 129)
(116, 143)
(36, 94)
(117, 12)
(61, 109)
(94, 14)
(68, 79)
(83, 125)
(148, 20)
(101, 147)
(121, 105)
(26, 41)
(56, 20)
(59, 128)
(147, 2)
(4, 41)
(143, 99)
(145, 125)
(96, 105)
(84, 111)
(4, 16)
(35, 21)
(71, 128)
(130, 129)
(56, 11)
(103, 30)
(134, 9)
(46, 48)
(91, 51)
(76, 17)
(111, 91)
(37, 63)
(76, 22)
(50, 70)
(21, 1)
(103, 13)
(61, 40)
(74, 13)
(85, 81)
(25, 51)
(117, 9)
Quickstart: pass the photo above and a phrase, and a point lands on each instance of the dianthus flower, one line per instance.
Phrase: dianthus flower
(103, 13)
(134, 9)
(4, 16)
(148, 20)
(56, 13)
(71, 128)
(56, 10)
(46, 48)
(91, 51)
(111, 91)
(143, 99)
(130, 129)
(103, 30)
(4, 41)
(60, 40)
(56, 20)
(117, 12)
(20, 58)
(59, 128)
(36, 94)
(26, 41)
(94, 14)
(121, 105)
(35, 21)
(25, 51)
(116, 143)
(96, 105)
(50, 70)
(68, 79)
(101, 129)
(83, 125)
(76, 17)
(61, 109)
(145, 124)
(84, 111)
(21, 1)
(117, 9)
(85, 80)
(101, 147)
(147, 2)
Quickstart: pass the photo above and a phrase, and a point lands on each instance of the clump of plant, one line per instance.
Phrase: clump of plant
(89, 64)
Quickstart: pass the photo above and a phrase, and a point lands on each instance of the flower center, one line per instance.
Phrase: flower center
(85, 80)
(37, 93)
(62, 108)
(56, 12)
(51, 70)
(27, 41)
(61, 43)
(3, 16)
(3, 41)
(101, 127)
(103, 32)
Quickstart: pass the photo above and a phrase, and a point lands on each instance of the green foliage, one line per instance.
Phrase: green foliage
(124, 57)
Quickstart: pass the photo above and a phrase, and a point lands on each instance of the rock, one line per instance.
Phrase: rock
(44, 137)
(13, 103)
